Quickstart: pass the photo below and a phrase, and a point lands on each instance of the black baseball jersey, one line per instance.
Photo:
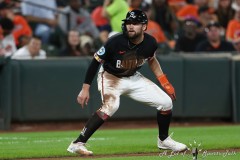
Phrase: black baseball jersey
(122, 58)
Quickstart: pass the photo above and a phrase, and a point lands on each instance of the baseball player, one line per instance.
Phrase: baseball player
(120, 58)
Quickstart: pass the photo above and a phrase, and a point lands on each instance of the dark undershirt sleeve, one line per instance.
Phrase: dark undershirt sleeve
(91, 72)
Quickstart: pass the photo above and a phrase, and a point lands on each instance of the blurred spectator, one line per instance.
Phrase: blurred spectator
(236, 44)
(15, 6)
(102, 23)
(206, 15)
(213, 4)
(2, 50)
(135, 4)
(1, 33)
(62, 3)
(7, 43)
(190, 38)
(233, 28)
(235, 4)
(190, 1)
(73, 47)
(224, 12)
(42, 17)
(79, 19)
(87, 45)
(115, 11)
(23, 41)
(214, 43)
(165, 17)
(191, 10)
(176, 5)
(21, 27)
(31, 51)
(154, 29)
(91, 4)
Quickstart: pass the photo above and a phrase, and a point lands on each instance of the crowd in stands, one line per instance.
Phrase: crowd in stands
(80, 27)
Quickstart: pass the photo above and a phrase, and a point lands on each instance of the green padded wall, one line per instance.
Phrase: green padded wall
(172, 66)
(5, 93)
(207, 86)
(47, 89)
(236, 89)
(36, 90)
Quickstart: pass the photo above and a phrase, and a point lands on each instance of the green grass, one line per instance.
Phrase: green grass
(107, 142)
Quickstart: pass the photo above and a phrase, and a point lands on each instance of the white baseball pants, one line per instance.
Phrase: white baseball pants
(136, 87)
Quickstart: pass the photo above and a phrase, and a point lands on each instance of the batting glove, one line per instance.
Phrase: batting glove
(167, 86)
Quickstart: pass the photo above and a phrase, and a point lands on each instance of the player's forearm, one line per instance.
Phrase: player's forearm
(85, 86)
(91, 72)
(155, 67)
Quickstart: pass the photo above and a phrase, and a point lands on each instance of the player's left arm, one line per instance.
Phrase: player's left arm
(162, 78)
(155, 66)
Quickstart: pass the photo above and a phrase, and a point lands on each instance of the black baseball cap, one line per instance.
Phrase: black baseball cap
(136, 16)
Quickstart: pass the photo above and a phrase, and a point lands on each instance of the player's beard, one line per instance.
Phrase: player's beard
(133, 35)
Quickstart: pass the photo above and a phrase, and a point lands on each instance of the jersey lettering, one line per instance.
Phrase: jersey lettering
(118, 64)
(118, 59)
(130, 64)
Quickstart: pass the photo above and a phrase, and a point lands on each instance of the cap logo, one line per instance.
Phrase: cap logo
(132, 15)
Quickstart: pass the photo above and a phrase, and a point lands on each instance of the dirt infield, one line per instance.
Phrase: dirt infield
(99, 156)
(169, 154)
(117, 124)
(77, 125)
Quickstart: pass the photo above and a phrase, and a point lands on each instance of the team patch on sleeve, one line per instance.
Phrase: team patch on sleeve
(101, 51)
(98, 58)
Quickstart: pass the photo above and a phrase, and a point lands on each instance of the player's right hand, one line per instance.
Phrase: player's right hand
(83, 96)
